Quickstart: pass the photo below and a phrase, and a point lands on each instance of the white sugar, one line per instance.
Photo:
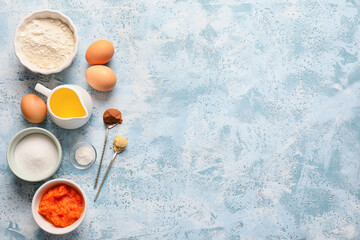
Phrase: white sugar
(36, 154)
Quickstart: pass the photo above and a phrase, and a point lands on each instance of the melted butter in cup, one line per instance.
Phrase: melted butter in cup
(65, 103)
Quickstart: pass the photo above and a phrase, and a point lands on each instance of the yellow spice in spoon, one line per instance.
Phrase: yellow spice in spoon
(119, 143)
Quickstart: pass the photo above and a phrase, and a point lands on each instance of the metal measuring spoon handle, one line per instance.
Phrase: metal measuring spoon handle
(107, 170)
(102, 154)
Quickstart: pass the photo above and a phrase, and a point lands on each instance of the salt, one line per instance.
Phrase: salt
(84, 155)
(36, 154)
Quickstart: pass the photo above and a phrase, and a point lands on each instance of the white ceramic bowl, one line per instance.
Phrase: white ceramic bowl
(45, 225)
(11, 152)
(45, 14)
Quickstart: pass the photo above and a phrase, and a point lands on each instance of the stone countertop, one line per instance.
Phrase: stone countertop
(243, 119)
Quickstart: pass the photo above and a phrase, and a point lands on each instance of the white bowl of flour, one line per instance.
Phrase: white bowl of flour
(46, 42)
(34, 154)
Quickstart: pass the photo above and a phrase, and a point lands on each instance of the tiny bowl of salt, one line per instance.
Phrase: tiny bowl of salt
(82, 155)
(46, 42)
(34, 154)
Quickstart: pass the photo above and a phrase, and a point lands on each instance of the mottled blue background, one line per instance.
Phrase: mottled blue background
(243, 119)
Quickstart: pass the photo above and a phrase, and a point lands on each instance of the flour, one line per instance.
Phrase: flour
(47, 42)
(36, 154)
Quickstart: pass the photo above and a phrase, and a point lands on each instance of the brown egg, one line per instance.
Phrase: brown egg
(100, 52)
(101, 78)
(33, 108)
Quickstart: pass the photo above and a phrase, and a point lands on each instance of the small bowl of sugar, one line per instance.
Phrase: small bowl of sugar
(34, 154)
(82, 155)
(46, 42)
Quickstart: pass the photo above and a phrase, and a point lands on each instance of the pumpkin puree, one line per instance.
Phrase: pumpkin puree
(61, 205)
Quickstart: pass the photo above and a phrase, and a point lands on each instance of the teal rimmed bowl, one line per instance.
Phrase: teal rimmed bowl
(11, 152)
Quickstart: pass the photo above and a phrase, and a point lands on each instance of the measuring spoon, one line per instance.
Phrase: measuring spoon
(118, 147)
(108, 126)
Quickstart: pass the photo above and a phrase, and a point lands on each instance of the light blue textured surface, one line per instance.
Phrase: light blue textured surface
(243, 119)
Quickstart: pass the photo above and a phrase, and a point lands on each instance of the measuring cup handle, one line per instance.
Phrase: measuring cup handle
(43, 90)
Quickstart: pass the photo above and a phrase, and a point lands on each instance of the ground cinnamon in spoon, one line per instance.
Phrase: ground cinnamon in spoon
(112, 116)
